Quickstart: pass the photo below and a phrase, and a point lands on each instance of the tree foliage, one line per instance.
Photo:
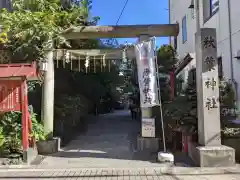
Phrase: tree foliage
(166, 56)
(33, 25)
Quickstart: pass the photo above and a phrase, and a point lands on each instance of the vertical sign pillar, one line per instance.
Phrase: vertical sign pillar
(208, 88)
(210, 153)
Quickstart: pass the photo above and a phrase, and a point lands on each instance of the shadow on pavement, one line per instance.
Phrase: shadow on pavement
(109, 136)
(110, 139)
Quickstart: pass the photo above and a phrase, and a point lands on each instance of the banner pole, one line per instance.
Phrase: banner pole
(159, 95)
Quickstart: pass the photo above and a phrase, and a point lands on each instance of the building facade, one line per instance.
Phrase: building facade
(5, 4)
(220, 14)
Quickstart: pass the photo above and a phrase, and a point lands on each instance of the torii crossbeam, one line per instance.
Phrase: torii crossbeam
(123, 31)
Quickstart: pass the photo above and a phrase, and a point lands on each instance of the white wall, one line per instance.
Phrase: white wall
(235, 16)
(219, 21)
(178, 9)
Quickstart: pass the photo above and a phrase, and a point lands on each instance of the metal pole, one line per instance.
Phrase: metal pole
(159, 97)
(230, 39)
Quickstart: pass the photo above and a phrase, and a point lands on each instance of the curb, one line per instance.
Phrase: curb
(151, 170)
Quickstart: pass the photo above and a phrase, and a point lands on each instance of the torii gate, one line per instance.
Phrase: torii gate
(143, 32)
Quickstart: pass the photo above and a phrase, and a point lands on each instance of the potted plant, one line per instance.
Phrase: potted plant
(48, 145)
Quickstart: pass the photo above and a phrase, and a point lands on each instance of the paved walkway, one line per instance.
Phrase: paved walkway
(109, 142)
(122, 174)
(107, 151)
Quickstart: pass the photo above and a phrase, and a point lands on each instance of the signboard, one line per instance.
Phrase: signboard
(148, 127)
(10, 95)
(147, 73)
(208, 89)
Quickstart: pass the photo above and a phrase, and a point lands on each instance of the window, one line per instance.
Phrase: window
(210, 7)
(184, 29)
(214, 6)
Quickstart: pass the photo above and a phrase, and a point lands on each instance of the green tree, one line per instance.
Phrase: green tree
(33, 25)
(166, 56)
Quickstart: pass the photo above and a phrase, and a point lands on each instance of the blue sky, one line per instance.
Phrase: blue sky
(136, 12)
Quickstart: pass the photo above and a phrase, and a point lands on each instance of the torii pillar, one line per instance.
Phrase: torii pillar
(47, 114)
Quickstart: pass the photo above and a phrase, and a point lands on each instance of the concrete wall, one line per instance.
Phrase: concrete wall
(178, 9)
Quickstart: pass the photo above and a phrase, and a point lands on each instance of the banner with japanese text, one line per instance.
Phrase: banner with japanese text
(146, 67)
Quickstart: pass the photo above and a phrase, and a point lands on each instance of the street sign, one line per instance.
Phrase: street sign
(148, 127)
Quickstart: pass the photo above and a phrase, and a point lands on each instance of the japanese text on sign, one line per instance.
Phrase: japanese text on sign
(209, 42)
(148, 127)
(211, 103)
(10, 96)
(146, 89)
(210, 62)
(211, 83)
(145, 57)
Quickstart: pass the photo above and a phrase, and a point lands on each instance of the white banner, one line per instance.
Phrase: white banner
(145, 58)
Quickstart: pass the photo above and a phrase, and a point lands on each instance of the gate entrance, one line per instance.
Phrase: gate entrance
(144, 32)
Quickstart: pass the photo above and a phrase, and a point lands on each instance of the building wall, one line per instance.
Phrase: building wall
(186, 69)
(178, 9)
(2, 3)
(5, 4)
(219, 21)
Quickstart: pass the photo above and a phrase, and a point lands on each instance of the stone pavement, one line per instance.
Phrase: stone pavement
(107, 151)
(110, 141)
(122, 174)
